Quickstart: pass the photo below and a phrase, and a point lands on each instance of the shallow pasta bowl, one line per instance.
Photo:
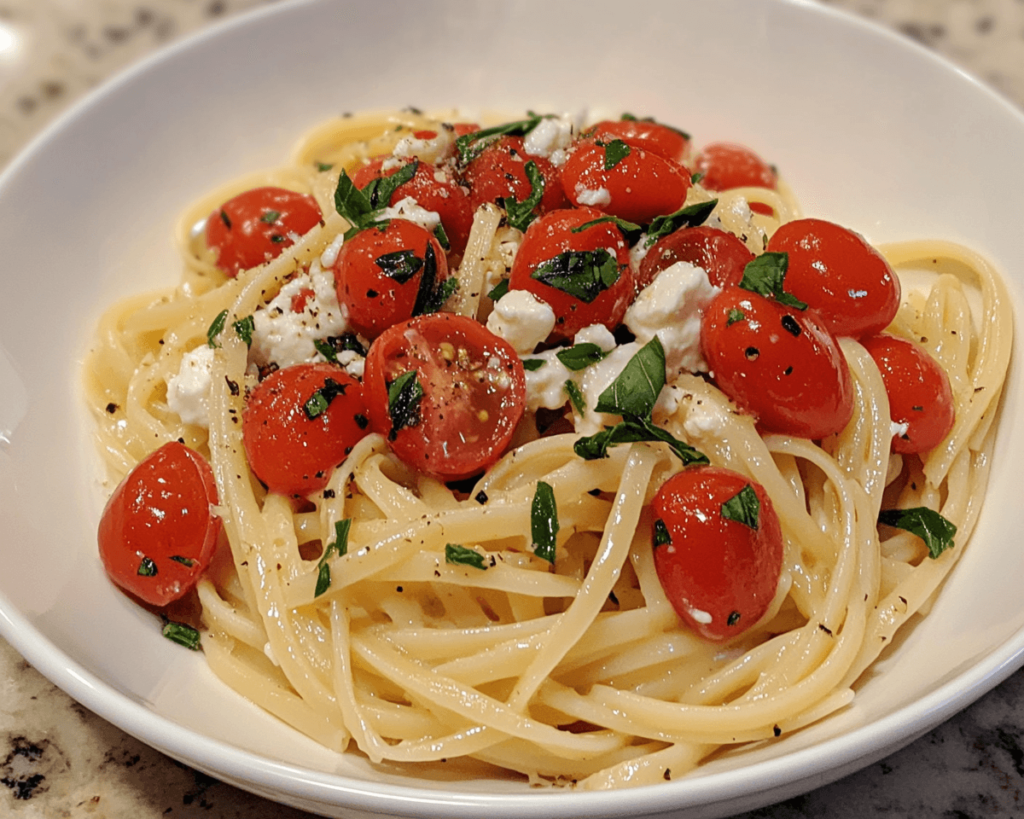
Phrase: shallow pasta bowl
(868, 130)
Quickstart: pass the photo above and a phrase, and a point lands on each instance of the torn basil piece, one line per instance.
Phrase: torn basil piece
(743, 507)
(630, 231)
(661, 534)
(460, 555)
(580, 356)
(735, 315)
(147, 568)
(244, 328)
(583, 274)
(400, 265)
(431, 296)
(270, 216)
(690, 216)
(470, 146)
(614, 152)
(766, 274)
(182, 634)
(936, 531)
(634, 430)
(579, 403)
(317, 404)
(499, 290)
(533, 364)
(519, 215)
(338, 547)
(635, 390)
(544, 522)
(216, 328)
(326, 350)
(404, 394)
(380, 190)
(350, 202)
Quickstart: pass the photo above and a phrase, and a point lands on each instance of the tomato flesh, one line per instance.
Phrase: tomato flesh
(779, 363)
(257, 226)
(158, 532)
(471, 393)
(289, 451)
(720, 573)
(919, 392)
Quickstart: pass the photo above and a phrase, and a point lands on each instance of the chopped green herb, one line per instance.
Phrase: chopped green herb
(631, 231)
(277, 239)
(184, 561)
(338, 547)
(225, 219)
(181, 634)
(270, 216)
(661, 535)
(614, 152)
(323, 166)
(460, 555)
(518, 214)
(579, 403)
(580, 356)
(533, 364)
(936, 531)
(431, 296)
(147, 568)
(499, 290)
(765, 275)
(216, 328)
(470, 146)
(635, 390)
(404, 394)
(631, 430)
(317, 404)
(583, 274)
(743, 507)
(544, 522)
(380, 190)
(732, 620)
(244, 328)
(689, 216)
(442, 237)
(696, 178)
(401, 265)
(735, 315)
(326, 350)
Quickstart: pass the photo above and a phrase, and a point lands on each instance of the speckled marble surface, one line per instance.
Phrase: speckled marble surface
(59, 760)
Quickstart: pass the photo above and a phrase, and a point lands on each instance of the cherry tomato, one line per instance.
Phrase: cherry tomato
(457, 392)
(718, 252)
(583, 295)
(780, 363)
(840, 275)
(379, 271)
(666, 142)
(299, 423)
(435, 188)
(717, 549)
(919, 392)
(637, 187)
(257, 225)
(158, 532)
(500, 171)
(726, 165)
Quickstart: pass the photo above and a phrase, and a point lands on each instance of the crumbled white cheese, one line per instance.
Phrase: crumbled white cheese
(330, 255)
(432, 150)
(188, 391)
(545, 386)
(522, 320)
(899, 430)
(671, 308)
(410, 210)
(550, 139)
(638, 252)
(699, 615)
(593, 197)
(286, 337)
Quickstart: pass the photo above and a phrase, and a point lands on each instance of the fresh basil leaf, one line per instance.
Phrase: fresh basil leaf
(470, 146)
(182, 634)
(147, 568)
(440, 295)
(743, 507)
(499, 290)
(936, 531)
(661, 533)
(766, 275)
(631, 231)
(400, 265)
(244, 328)
(404, 394)
(533, 364)
(431, 296)
(216, 328)
(519, 215)
(695, 179)
(270, 216)
(323, 166)
(635, 390)
(583, 274)
(689, 216)
(184, 561)
(317, 404)
(339, 547)
(544, 522)
(614, 152)
(380, 189)
(632, 430)
(442, 237)
(460, 555)
(735, 315)
(326, 350)
(225, 218)
(579, 403)
(351, 203)
(580, 356)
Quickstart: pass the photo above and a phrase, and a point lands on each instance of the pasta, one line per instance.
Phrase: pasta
(575, 670)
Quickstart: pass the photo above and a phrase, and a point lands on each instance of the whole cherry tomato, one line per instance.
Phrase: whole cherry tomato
(499, 172)
(446, 392)
(840, 275)
(435, 188)
(379, 274)
(583, 273)
(726, 165)
(668, 143)
(717, 549)
(624, 181)
(919, 392)
(780, 363)
(721, 254)
(299, 423)
(257, 225)
(158, 531)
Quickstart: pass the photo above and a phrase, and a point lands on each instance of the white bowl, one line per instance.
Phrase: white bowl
(869, 130)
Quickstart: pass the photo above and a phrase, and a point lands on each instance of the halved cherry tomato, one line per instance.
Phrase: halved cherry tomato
(721, 254)
(717, 549)
(726, 165)
(780, 363)
(299, 423)
(666, 142)
(500, 172)
(840, 275)
(919, 392)
(257, 225)
(379, 272)
(158, 531)
(446, 392)
(435, 188)
(629, 182)
(583, 274)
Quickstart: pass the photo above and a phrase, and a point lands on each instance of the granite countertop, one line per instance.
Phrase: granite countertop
(59, 760)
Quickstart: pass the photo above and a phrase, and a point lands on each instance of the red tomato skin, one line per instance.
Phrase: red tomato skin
(500, 171)
(374, 300)
(162, 510)
(778, 363)
(919, 392)
(291, 453)
(668, 143)
(551, 235)
(241, 238)
(435, 188)
(726, 165)
(714, 567)
(840, 275)
(721, 254)
(451, 440)
(640, 186)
